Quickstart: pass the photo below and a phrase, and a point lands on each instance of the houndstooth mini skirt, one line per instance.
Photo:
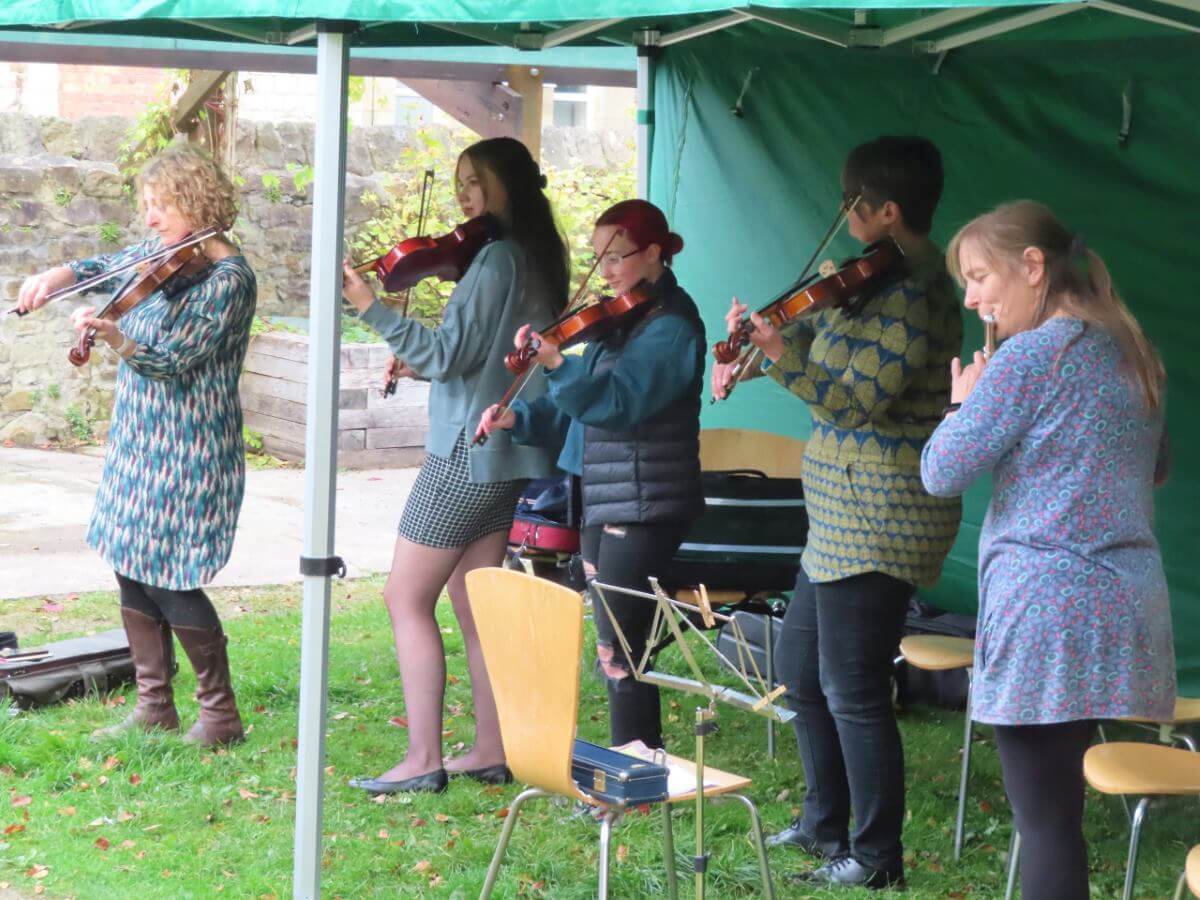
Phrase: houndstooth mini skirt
(446, 509)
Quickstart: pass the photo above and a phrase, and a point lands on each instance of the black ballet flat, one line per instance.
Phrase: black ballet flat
(498, 774)
(430, 783)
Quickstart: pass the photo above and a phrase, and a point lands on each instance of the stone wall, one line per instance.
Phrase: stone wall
(62, 197)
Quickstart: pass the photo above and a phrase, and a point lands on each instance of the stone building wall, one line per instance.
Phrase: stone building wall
(62, 197)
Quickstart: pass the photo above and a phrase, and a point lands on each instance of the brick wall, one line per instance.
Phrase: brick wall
(107, 90)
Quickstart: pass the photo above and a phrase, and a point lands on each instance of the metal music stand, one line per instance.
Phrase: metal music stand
(672, 616)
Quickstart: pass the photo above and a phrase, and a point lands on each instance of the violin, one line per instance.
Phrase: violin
(580, 326)
(186, 260)
(877, 264)
(446, 257)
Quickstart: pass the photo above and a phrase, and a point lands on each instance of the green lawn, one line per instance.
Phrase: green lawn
(147, 816)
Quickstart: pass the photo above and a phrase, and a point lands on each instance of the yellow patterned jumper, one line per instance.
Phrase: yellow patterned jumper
(876, 384)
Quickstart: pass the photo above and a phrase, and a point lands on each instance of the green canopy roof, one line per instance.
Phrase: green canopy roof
(927, 25)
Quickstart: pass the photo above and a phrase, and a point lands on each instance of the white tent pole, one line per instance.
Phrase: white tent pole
(647, 42)
(320, 447)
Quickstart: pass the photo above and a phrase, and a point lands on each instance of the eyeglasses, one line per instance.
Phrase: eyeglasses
(611, 259)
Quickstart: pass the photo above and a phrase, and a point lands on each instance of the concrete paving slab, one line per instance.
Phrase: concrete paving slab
(46, 500)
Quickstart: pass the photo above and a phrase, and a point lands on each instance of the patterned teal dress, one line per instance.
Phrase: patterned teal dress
(174, 475)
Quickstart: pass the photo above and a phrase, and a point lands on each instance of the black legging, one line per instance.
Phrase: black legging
(1043, 775)
(623, 556)
(185, 609)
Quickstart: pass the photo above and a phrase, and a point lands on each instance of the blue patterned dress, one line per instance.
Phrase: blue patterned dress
(1074, 618)
(174, 475)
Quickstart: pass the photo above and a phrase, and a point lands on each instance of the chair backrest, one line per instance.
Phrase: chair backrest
(531, 631)
(742, 448)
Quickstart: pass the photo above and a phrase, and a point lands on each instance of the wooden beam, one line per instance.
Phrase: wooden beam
(489, 109)
(202, 85)
(526, 81)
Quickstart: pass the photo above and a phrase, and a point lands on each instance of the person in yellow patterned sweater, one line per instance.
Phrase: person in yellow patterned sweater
(875, 376)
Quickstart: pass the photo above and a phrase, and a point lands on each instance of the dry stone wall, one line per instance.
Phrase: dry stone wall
(62, 197)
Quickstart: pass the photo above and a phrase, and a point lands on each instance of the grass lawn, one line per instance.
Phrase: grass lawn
(147, 816)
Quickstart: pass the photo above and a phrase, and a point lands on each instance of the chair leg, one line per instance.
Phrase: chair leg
(1135, 835)
(764, 868)
(1014, 863)
(605, 838)
(1186, 739)
(510, 822)
(669, 852)
(960, 822)
(1124, 800)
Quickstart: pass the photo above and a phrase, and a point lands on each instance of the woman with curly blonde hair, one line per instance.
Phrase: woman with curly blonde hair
(174, 474)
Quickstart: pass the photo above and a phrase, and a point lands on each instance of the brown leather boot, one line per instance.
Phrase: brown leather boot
(219, 722)
(153, 653)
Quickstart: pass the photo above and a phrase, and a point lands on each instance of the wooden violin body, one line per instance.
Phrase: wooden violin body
(186, 262)
(446, 257)
(583, 325)
(877, 263)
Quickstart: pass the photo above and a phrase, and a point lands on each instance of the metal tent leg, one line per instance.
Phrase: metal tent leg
(669, 852)
(605, 839)
(1014, 863)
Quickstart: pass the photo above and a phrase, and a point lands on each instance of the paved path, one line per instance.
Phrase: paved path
(46, 501)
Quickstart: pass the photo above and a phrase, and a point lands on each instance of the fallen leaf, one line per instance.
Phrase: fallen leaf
(340, 716)
(135, 779)
(383, 833)
(984, 806)
(67, 811)
(247, 795)
(260, 708)
(102, 780)
(622, 853)
(111, 763)
(417, 822)
(329, 770)
(442, 817)
(453, 679)
(783, 795)
(102, 843)
(14, 829)
(436, 881)
(50, 607)
(128, 845)
(21, 801)
(502, 812)
(37, 871)
(423, 865)
(124, 816)
(398, 721)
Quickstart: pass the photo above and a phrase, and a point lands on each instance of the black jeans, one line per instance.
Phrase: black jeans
(186, 609)
(624, 556)
(835, 652)
(1043, 775)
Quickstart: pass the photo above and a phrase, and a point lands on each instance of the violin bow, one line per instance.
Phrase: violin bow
(104, 276)
(422, 212)
(750, 356)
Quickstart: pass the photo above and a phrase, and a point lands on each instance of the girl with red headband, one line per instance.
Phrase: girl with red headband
(627, 414)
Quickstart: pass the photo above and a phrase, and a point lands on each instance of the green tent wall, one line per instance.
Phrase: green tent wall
(1037, 117)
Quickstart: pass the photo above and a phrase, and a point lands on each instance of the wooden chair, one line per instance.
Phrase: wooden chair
(775, 455)
(1143, 771)
(531, 631)
(1190, 878)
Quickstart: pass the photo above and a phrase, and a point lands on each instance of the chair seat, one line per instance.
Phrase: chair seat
(716, 781)
(1142, 769)
(1187, 709)
(1193, 871)
(937, 652)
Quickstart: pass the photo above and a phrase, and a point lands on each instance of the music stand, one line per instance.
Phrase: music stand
(757, 697)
